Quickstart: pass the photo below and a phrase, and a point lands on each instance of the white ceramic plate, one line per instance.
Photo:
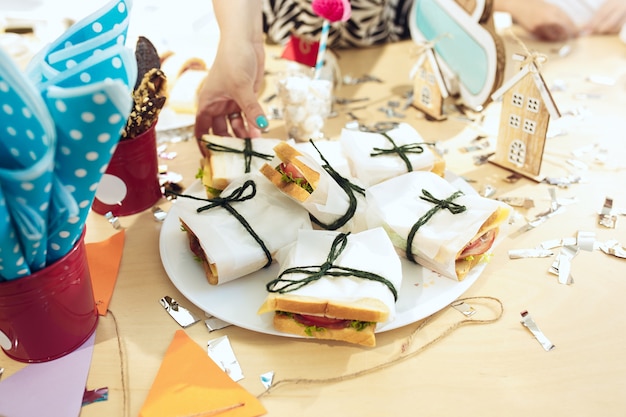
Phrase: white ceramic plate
(423, 292)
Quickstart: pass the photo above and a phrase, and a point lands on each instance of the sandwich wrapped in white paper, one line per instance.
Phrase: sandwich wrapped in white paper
(230, 248)
(446, 229)
(332, 152)
(228, 158)
(333, 201)
(376, 157)
(335, 285)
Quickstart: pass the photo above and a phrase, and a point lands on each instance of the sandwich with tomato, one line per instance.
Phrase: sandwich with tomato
(335, 286)
(241, 236)
(226, 158)
(435, 223)
(301, 177)
(291, 173)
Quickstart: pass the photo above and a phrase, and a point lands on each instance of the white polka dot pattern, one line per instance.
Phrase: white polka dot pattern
(102, 29)
(59, 124)
(27, 140)
(84, 157)
(94, 69)
(12, 262)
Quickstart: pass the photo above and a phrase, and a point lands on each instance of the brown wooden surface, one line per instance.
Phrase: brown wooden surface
(493, 369)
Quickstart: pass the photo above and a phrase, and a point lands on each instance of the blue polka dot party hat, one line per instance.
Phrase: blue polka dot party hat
(60, 123)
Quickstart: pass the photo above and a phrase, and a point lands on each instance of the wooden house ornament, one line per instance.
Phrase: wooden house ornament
(429, 87)
(527, 107)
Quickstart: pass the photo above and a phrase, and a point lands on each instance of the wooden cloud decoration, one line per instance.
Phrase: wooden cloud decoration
(469, 54)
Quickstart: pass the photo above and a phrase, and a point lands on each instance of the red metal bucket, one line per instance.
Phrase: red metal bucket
(131, 181)
(49, 313)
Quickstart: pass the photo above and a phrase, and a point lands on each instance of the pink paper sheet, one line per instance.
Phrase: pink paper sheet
(51, 389)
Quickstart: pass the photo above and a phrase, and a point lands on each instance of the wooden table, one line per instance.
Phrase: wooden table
(486, 369)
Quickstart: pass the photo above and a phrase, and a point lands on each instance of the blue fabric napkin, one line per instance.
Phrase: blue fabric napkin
(59, 124)
(104, 28)
(27, 142)
(13, 264)
(89, 122)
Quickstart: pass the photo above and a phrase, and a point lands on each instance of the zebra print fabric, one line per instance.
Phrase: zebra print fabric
(372, 22)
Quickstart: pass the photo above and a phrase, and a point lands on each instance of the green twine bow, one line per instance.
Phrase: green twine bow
(445, 204)
(346, 186)
(236, 196)
(247, 152)
(283, 285)
(401, 151)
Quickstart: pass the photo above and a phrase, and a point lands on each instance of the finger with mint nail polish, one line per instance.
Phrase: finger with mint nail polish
(261, 122)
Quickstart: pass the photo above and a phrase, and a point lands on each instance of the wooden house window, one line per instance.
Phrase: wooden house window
(533, 104)
(530, 126)
(431, 79)
(422, 73)
(425, 96)
(515, 121)
(517, 100)
(517, 152)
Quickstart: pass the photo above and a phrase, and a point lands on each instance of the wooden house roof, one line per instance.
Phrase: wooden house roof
(532, 70)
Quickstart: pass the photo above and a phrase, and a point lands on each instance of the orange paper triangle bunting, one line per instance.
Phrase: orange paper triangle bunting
(190, 384)
(104, 263)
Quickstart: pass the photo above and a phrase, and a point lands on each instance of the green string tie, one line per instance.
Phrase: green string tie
(445, 204)
(348, 187)
(401, 151)
(237, 196)
(247, 152)
(283, 285)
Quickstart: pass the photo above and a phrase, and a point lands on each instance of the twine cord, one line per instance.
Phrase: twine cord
(315, 272)
(123, 366)
(401, 151)
(445, 204)
(348, 187)
(531, 57)
(403, 354)
(237, 196)
(247, 152)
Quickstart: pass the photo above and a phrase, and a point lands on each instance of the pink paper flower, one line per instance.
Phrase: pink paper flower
(332, 10)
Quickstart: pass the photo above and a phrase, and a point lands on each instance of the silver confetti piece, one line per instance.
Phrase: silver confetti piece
(213, 324)
(221, 352)
(613, 248)
(487, 191)
(464, 308)
(95, 395)
(183, 317)
(562, 265)
(267, 379)
(530, 324)
(555, 208)
(606, 217)
(523, 202)
(158, 214)
(115, 222)
(586, 240)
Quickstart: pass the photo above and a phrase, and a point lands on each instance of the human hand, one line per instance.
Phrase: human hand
(544, 20)
(609, 18)
(550, 23)
(229, 93)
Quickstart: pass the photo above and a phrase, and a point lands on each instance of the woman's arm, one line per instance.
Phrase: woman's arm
(229, 93)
